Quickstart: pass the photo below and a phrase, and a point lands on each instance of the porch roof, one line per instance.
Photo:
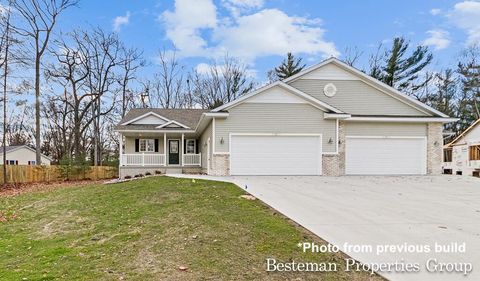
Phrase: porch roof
(187, 117)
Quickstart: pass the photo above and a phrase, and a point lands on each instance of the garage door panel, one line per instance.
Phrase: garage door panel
(275, 155)
(385, 156)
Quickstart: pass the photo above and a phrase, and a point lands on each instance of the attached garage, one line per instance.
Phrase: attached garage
(281, 154)
(385, 155)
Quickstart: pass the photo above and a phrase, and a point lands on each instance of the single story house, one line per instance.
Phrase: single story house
(330, 119)
(462, 155)
(23, 155)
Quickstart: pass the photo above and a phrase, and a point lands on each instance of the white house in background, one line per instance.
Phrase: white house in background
(462, 155)
(22, 155)
(330, 119)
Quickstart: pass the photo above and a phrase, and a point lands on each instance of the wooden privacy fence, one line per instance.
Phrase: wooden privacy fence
(26, 173)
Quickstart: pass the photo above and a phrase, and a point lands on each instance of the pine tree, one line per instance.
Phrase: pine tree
(289, 67)
(401, 69)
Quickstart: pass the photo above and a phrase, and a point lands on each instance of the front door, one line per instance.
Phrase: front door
(173, 152)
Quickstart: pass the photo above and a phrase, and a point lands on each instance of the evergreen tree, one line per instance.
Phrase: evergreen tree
(289, 67)
(401, 69)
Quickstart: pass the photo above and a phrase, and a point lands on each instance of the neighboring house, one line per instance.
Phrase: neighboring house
(329, 119)
(462, 155)
(22, 155)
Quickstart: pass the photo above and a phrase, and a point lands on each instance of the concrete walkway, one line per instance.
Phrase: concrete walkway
(376, 211)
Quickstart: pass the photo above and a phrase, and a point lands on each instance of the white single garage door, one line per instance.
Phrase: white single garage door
(385, 156)
(275, 155)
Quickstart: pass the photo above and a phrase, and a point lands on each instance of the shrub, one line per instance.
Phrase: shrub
(157, 172)
(73, 168)
(148, 174)
(127, 177)
(139, 176)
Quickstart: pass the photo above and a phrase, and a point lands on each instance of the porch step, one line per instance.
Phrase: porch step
(173, 171)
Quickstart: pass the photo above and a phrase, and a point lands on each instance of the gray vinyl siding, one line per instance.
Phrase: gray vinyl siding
(207, 133)
(356, 97)
(275, 118)
(385, 129)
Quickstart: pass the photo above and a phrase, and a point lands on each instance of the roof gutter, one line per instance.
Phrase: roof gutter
(403, 119)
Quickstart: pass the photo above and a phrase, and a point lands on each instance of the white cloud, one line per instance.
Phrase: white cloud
(120, 21)
(258, 33)
(435, 11)
(184, 25)
(250, 37)
(237, 7)
(466, 15)
(438, 38)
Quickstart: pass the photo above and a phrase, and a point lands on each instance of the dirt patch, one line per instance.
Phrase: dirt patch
(20, 188)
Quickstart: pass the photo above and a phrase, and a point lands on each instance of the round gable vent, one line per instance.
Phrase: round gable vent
(330, 90)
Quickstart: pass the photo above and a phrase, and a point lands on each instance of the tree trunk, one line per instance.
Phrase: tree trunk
(5, 73)
(37, 111)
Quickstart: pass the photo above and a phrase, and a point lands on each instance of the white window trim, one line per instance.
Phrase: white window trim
(194, 146)
(146, 145)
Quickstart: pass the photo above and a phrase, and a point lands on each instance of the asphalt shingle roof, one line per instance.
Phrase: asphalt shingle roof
(187, 117)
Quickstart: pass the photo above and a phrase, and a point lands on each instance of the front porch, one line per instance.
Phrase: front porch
(159, 152)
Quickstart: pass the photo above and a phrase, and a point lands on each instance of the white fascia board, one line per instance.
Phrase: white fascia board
(309, 98)
(315, 102)
(402, 119)
(145, 115)
(216, 114)
(172, 122)
(154, 131)
(244, 97)
(336, 115)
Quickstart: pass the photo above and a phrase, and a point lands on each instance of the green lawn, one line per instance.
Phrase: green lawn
(145, 230)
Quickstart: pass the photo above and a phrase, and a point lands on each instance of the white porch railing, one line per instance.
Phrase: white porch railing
(192, 159)
(143, 159)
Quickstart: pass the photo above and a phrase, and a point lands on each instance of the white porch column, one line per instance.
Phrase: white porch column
(181, 150)
(120, 150)
(165, 149)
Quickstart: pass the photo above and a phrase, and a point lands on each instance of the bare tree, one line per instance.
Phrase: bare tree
(40, 17)
(5, 48)
(104, 53)
(167, 86)
(132, 61)
(222, 83)
(352, 55)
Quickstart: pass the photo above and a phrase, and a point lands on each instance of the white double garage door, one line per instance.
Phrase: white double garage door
(294, 154)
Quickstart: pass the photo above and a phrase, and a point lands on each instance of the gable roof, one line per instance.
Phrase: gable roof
(187, 117)
(13, 148)
(463, 133)
(173, 122)
(372, 82)
(313, 101)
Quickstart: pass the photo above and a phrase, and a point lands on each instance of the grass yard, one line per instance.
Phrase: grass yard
(146, 229)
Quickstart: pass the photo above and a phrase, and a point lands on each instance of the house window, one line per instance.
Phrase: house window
(191, 145)
(474, 152)
(147, 145)
(12, 162)
(32, 162)
(447, 155)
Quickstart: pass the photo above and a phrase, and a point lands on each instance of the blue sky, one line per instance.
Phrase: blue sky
(260, 32)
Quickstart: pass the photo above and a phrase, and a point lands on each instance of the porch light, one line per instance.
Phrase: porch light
(221, 141)
(436, 143)
(330, 141)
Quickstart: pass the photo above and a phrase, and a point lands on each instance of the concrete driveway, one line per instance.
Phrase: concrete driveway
(376, 211)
